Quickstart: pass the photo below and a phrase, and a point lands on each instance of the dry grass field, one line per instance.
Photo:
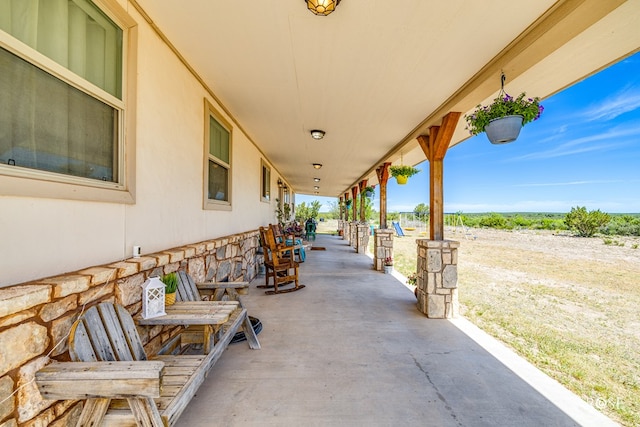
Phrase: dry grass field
(567, 304)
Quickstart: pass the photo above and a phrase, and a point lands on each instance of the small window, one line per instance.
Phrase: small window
(217, 181)
(265, 182)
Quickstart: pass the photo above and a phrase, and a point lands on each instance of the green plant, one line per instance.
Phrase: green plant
(369, 191)
(283, 212)
(586, 223)
(403, 170)
(503, 105)
(412, 279)
(170, 282)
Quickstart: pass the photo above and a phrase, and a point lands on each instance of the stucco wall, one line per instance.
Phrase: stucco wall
(42, 237)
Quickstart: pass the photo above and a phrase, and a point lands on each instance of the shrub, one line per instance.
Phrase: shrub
(586, 223)
(493, 221)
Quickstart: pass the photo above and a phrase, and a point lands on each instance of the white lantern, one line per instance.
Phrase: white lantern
(152, 298)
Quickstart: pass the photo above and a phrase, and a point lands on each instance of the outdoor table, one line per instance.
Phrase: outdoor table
(211, 315)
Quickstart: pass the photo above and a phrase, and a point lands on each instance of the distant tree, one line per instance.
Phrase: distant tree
(334, 210)
(586, 223)
(304, 212)
(422, 212)
(314, 209)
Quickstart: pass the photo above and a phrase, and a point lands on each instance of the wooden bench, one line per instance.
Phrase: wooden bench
(110, 364)
(188, 291)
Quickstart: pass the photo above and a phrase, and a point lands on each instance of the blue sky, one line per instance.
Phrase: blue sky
(583, 151)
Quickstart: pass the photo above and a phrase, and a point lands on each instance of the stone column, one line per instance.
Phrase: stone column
(353, 235)
(363, 237)
(437, 290)
(382, 247)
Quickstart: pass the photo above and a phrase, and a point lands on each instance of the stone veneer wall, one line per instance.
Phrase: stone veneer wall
(437, 285)
(362, 239)
(382, 247)
(344, 227)
(353, 234)
(37, 316)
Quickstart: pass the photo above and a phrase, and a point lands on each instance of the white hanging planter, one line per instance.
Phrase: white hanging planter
(504, 130)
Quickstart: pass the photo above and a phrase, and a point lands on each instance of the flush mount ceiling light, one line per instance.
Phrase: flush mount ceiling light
(317, 165)
(316, 179)
(316, 187)
(317, 134)
(322, 7)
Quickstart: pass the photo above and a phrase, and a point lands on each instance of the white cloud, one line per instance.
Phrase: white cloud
(628, 99)
(562, 184)
(605, 140)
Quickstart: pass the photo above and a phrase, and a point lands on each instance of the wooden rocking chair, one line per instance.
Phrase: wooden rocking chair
(279, 264)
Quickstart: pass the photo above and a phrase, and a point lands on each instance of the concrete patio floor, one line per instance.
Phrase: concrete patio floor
(351, 349)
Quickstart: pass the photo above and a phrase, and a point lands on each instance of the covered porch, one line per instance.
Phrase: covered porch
(352, 349)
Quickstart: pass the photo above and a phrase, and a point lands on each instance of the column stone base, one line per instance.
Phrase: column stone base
(437, 290)
(382, 247)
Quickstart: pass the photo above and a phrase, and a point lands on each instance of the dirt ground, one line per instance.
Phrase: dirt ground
(568, 304)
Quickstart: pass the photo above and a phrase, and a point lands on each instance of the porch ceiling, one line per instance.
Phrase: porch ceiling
(375, 74)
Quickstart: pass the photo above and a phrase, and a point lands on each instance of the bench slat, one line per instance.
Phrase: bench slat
(83, 350)
(82, 380)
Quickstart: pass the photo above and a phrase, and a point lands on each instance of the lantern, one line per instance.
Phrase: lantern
(152, 298)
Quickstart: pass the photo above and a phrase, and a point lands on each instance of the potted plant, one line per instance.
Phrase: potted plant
(369, 191)
(347, 204)
(388, 265)
(402, 173)
(412, 279)
(170, 287)
(504, 117)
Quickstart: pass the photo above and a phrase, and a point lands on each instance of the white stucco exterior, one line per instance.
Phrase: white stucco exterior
(43, 236)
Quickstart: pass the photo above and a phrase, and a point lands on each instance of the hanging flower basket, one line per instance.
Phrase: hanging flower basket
(403, 173)
(517, 111)
(503, 130)
(369, 192)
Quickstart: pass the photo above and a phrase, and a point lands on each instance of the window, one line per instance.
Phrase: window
(218, 160)
(48, 124)
(265, 182)
(62, 115)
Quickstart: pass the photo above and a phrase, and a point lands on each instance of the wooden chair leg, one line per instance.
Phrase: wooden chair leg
(250, 334)
(145, 412)
(93, 412)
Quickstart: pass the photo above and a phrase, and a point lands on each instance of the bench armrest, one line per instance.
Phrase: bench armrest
(113, 380)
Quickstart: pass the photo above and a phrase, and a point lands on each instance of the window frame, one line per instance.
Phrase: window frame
(265, 182)
(39, 183)
(212, 204)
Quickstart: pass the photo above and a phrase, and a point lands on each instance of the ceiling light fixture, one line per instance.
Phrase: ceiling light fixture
(317, 165)
(317, 134)
(316, 179)
(316, 187)
(322, 7)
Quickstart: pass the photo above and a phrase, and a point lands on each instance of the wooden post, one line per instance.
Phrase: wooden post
(362, 185)
(340, 208)
(382, 172)
(435, 147)
(354, 194)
